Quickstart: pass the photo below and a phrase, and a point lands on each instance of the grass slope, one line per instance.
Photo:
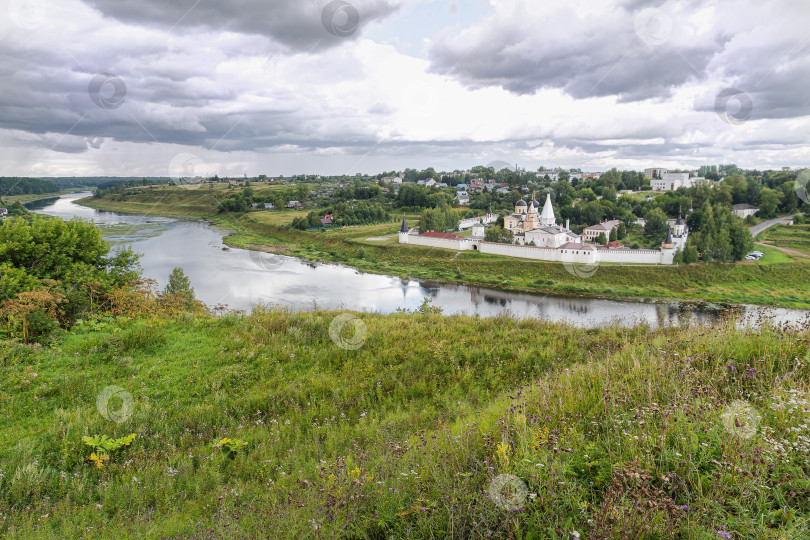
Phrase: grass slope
(793, 237)
(615, 433)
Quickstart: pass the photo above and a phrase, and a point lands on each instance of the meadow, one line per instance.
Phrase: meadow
(410, 425)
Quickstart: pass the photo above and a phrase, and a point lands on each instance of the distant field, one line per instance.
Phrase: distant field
(163, 200)
(795, 237)
(22, 199)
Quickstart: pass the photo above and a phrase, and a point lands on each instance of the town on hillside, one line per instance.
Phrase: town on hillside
(654, 216)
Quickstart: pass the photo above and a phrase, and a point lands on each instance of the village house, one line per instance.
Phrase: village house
(744, 210)
(269, 206)
(294, 204)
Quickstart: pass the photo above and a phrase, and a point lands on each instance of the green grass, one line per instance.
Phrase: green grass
(777, 281)
(771, 256)
(611, 431)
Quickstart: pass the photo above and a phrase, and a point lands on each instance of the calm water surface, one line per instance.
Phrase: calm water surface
(242, 279)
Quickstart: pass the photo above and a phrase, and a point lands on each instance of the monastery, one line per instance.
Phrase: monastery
(538, 236)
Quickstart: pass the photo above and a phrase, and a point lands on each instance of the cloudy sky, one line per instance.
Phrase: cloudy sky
(182, 87)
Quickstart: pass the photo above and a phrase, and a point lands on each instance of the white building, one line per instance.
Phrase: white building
(673, 181)
(744, 210)
(592, 232)
(655, 172)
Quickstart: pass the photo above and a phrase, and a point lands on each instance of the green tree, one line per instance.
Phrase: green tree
(591, 213)
(601, 239)
(656, 224)
(769, 202)
(179, 284)
(690, 254)
(739, 236)
(498, 234)
(621, 231)
(614, 235)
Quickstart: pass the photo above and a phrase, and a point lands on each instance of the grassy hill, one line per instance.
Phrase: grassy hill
(414, 426)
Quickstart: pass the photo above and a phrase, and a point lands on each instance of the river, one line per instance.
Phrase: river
(241, 279)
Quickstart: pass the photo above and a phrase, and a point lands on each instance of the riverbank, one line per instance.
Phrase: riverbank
(26, 199)
(283, 424)
(785, 283)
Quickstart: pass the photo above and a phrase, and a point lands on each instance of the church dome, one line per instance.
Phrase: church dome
(521, 203)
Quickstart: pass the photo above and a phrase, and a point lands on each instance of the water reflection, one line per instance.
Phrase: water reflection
(242, 279)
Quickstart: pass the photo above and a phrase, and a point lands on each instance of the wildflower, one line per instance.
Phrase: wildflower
(685, 507)
(723, 534)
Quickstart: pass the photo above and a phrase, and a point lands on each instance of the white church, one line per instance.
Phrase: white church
(538, 229)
